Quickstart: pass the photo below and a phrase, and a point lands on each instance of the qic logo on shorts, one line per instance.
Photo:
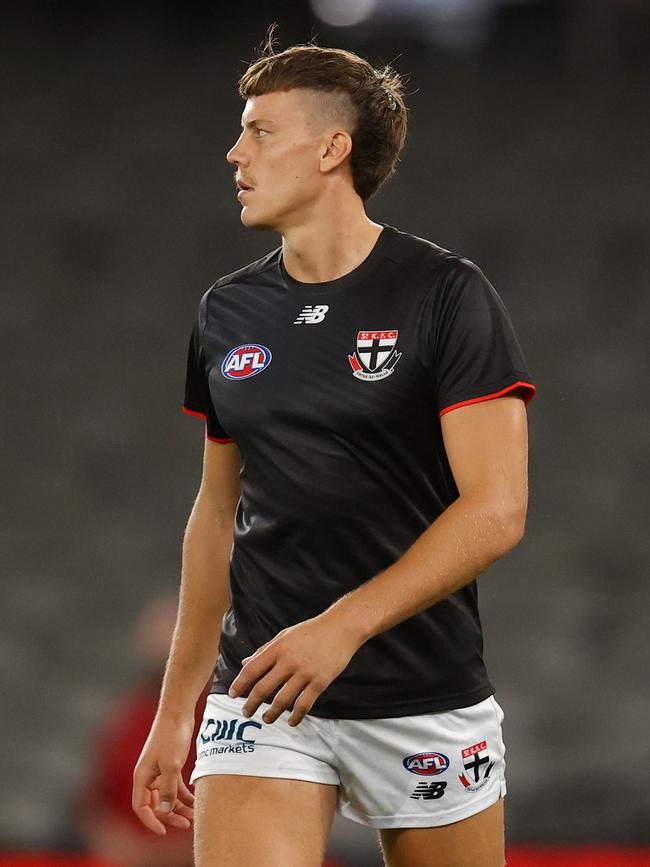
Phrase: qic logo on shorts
(375, 356)
(228, 730)
(476, 759)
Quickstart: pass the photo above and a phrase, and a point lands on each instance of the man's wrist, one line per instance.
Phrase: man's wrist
(175, 709)
(346, 617)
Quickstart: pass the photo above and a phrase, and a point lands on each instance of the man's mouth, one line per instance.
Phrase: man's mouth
(242, 187)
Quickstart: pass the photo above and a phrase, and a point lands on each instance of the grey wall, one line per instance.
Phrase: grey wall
(528, 154)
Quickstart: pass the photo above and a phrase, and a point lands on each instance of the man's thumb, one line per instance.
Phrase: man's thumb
(167, 792)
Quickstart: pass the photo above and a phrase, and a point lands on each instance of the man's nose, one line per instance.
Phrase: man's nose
(235, 156)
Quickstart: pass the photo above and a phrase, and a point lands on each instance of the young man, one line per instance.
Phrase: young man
(365, 460)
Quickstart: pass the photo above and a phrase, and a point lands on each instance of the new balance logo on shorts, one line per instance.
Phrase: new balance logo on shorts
(311, 314)
(429, 791)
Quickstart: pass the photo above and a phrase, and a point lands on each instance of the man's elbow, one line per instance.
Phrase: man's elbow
(511, 527)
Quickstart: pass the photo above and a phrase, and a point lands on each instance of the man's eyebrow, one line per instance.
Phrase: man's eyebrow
(256, 121)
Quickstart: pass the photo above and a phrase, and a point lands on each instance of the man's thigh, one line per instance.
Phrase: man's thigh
(245, 821)
(477, 841)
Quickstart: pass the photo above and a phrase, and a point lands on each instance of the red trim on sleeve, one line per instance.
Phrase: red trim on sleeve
(528, 396)
(217, 440)
(205, 418)
(193, 412)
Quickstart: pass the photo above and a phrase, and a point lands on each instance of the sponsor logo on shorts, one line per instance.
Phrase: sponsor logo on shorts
(426, 764)
(245, 361)
(476, 761)
(227, 730)
(376, 354)
(429, 791)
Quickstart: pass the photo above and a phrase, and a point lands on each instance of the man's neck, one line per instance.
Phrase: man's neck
(326, 249)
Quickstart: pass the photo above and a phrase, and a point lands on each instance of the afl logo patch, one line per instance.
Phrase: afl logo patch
(426, 764)
(245, 361)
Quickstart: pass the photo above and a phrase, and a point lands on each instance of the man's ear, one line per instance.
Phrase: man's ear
(335, 150)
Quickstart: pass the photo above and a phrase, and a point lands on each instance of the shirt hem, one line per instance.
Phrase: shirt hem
(399, 709)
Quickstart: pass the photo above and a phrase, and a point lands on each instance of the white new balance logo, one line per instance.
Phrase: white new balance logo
(310, 314)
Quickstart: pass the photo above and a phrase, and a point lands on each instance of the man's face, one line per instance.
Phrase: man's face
(277, 157)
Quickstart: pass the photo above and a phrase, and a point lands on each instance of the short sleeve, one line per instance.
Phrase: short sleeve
(198, 400)
(476, 353)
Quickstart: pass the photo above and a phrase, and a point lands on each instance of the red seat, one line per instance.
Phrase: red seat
(50, 859)
(577, 856)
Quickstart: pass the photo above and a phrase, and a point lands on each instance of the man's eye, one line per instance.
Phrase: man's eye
(260, 132)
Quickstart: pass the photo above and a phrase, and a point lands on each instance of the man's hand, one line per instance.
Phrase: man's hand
(305, 658)
(160, 797)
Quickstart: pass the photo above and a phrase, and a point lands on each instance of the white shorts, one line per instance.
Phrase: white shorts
(399, 772)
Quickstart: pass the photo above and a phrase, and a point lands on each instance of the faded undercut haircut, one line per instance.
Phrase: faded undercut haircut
(368, 101)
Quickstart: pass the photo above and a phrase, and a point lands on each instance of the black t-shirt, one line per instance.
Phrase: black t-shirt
(333, 393)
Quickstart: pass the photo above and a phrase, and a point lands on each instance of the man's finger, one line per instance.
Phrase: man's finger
(149, 820)
(250, 672)
(180, 809)
(263, 688)
(141, 801)
(141, 798)
(181, 816)
(184, 793)
(285, 698)
(174, 820)
(256, 652)
(183, 810)
(303, 704)
(167, 786)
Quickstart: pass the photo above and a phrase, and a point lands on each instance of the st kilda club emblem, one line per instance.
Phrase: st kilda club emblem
(375, 356)
(477, 764)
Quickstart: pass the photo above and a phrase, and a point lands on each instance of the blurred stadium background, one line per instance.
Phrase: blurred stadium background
(528, 153)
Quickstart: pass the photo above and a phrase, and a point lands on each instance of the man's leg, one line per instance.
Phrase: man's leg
(474, 842)
(245, 821)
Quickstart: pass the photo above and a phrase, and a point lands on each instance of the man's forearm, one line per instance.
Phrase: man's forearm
(461, 543)
(203, 601)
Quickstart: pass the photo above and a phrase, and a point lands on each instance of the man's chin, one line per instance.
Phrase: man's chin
(255, 221)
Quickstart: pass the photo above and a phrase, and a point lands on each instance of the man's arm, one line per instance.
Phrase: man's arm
(202, 603)
(487, 449)
(204, 581)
